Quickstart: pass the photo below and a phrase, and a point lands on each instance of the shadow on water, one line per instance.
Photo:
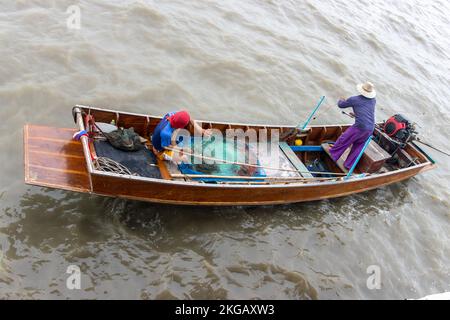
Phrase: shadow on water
(159, 222)
(93, 218)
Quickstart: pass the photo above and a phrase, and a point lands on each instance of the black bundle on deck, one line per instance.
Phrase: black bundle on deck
(138, 162)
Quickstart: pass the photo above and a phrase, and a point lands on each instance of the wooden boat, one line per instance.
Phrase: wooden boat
(53, 159)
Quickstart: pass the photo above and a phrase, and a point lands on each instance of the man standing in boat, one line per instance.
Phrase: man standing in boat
(164, 135)
(364, 110)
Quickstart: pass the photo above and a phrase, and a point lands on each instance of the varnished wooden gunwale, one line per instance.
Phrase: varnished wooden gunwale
(195, 193)
(191, 193)
(106, 115)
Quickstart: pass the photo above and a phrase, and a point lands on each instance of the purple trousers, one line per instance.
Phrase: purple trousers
(354, 137)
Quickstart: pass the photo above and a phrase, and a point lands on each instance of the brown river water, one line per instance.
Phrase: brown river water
(241, 61)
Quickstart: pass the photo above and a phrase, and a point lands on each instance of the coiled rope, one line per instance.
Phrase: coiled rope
(109, 165)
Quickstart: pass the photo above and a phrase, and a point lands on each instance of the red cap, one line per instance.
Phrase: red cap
(180, 119)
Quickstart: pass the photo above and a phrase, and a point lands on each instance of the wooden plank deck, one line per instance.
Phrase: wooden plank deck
(53, 159)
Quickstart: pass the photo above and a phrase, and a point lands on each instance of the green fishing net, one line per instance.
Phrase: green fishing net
(221, 149)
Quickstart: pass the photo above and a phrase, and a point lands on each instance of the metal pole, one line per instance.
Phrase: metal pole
(434, 148)
(312, 113)
(359, 157)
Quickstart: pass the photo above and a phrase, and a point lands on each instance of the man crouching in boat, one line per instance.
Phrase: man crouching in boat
(364, 110)
(164, 135)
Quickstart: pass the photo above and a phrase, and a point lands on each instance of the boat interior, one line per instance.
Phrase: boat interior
(307, 162)
(54, 159)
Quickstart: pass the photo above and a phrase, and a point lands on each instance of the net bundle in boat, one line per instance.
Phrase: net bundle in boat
(231, 152)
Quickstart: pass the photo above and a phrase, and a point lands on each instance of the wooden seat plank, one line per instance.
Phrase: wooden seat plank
(296, 162)
(340, 163)
(165, 174)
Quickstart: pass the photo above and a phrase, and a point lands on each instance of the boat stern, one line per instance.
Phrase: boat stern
(53, 159)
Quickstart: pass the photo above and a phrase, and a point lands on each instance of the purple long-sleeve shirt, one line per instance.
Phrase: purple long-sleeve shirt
(364, 110)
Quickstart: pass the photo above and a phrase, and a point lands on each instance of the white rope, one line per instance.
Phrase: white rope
(109, 165)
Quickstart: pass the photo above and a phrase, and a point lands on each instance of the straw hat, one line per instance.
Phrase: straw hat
(367, 90)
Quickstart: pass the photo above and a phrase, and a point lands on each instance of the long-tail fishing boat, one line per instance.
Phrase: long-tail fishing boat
(304, 169)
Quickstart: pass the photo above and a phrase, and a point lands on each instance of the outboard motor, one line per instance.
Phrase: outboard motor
(400, 131)
(399, 128)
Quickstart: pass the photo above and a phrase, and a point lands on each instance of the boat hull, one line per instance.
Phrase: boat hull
(183, 193)
(53, 159)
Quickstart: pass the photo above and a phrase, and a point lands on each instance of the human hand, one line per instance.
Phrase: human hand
(207, 132)
(342, 98)
(184, 158)
(180, 157)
